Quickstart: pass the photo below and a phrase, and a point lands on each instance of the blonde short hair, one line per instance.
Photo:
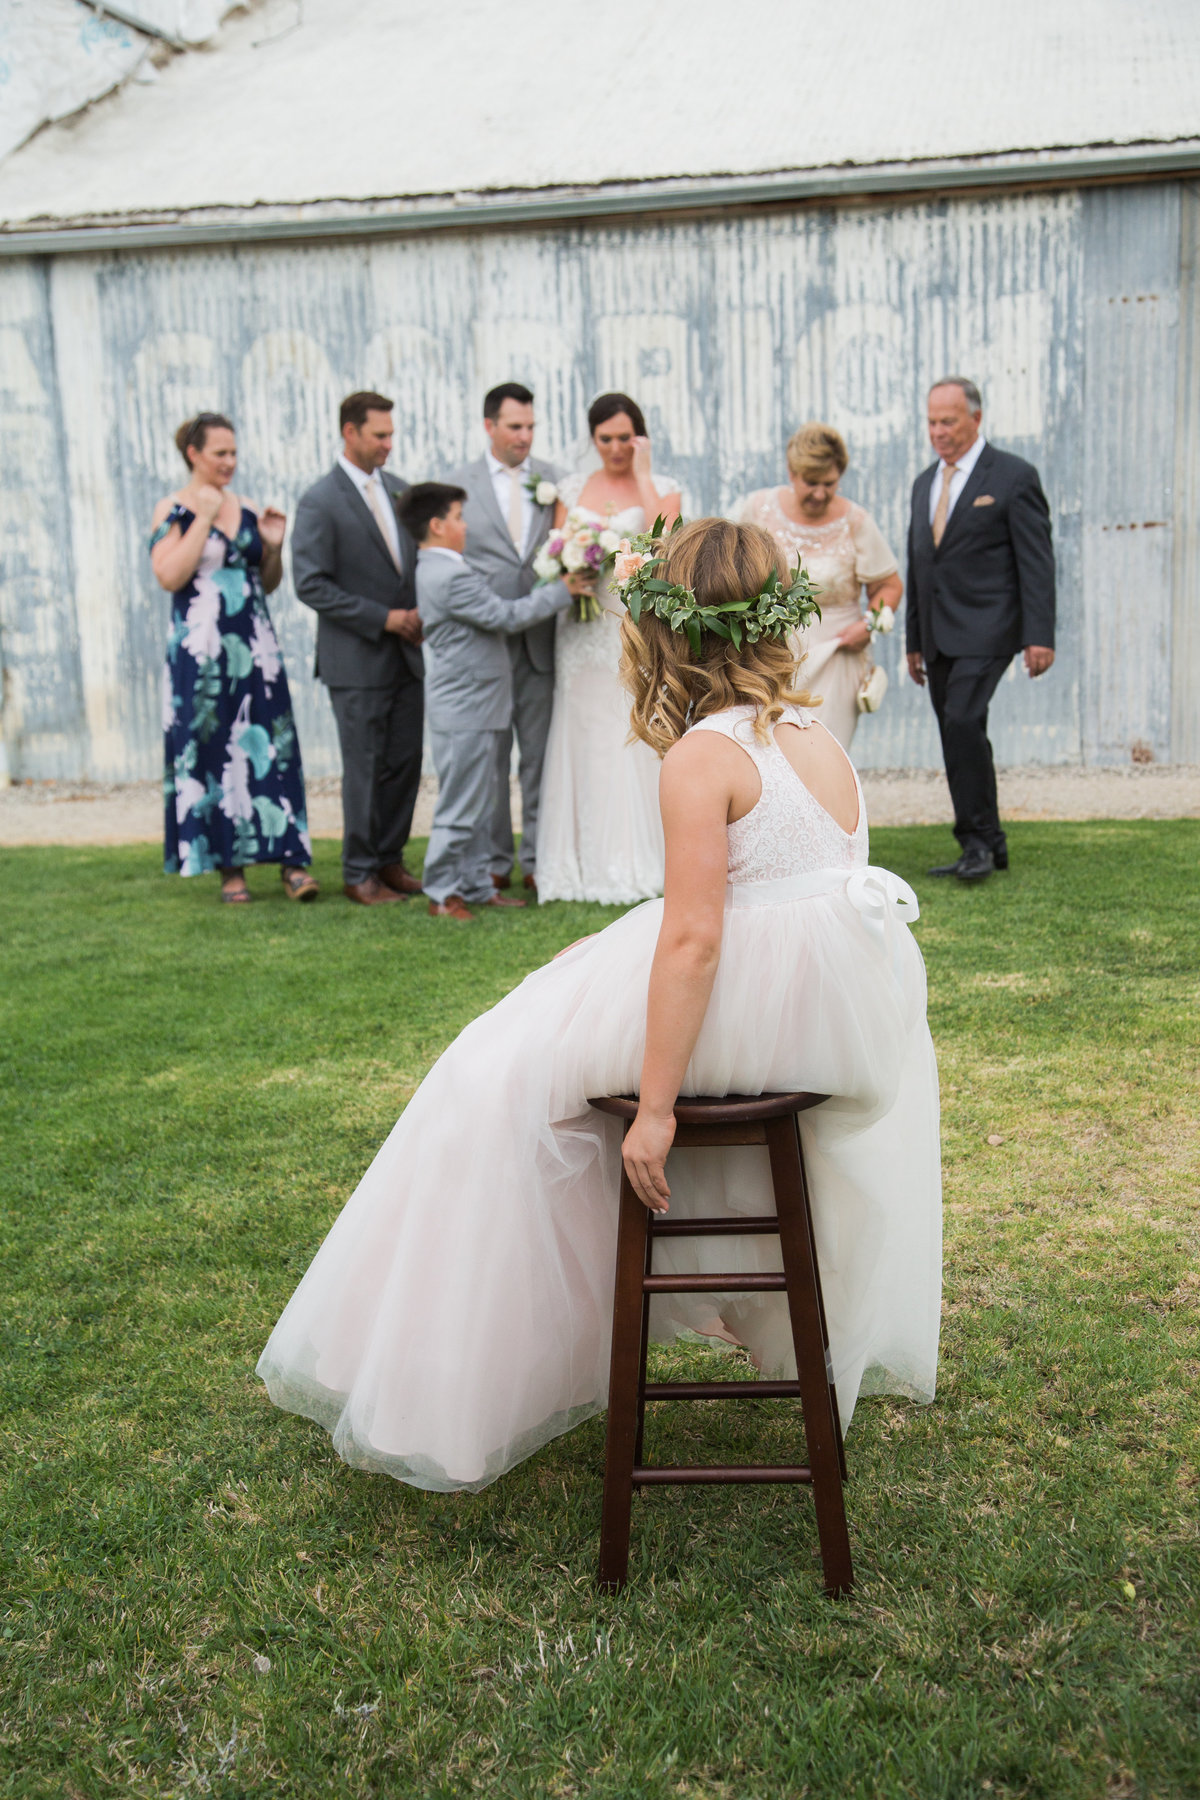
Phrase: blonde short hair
(670, 688)
(814, 450)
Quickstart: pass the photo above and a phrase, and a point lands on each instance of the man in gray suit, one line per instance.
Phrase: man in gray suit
(468, 693)
(507, 521)
(355, 565)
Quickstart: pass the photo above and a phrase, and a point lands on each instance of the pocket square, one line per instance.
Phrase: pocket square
(984, 500)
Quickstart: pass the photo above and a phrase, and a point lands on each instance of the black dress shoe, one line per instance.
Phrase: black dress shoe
(1000, 857)
(946, 868)
(975, 863)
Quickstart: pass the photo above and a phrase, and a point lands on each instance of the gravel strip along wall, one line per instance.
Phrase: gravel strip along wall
(61, 812)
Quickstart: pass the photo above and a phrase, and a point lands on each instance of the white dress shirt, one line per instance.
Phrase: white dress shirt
(958, 481)
(365, 484)
(501, 476)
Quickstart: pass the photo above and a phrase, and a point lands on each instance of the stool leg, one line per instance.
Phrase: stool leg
(812, 1239)
(629, 1303)
(820, 1422)
(648, 1268)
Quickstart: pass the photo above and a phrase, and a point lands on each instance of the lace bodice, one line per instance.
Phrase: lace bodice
(840, 556)
(788, 831)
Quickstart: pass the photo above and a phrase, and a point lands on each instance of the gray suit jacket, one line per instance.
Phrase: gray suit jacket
(468, 675)
(343, 569)
(492, 553)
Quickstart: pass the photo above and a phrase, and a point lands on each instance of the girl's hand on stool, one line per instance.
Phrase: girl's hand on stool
(644, 1153)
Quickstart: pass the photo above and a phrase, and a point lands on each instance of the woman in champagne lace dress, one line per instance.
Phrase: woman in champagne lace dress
(599, 834)
(844, 551)
(459, 1313)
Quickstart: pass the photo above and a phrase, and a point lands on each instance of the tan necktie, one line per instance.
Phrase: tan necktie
(943, 505)
(516, 509)
(376, 504)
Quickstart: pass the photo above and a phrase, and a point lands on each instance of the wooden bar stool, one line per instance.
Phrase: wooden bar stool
(705, 1123)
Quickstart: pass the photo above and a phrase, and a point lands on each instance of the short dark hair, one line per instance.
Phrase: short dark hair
(426, 501)
(193, 433)
(495, 397)
(970, 392)
(607, 406)
(355, 407)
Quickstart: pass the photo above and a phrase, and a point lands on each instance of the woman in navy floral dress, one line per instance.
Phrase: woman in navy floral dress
(233, 785)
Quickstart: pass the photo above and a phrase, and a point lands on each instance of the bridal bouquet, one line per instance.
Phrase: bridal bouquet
(578, 546)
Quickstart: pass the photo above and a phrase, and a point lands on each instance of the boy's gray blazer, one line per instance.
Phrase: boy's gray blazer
(491, 551)
(468, 675)
(343, 569)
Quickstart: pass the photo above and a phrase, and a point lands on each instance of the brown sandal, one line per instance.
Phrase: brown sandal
(299, 883)
(237, 896)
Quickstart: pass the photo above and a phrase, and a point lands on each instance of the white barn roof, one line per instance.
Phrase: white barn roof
(396, 99)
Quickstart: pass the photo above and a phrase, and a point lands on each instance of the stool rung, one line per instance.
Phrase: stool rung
(722, 1390)
(759, 1283)
(715, 1227)
(709, 1476)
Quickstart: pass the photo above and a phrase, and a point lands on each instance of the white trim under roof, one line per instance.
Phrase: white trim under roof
(458, 212)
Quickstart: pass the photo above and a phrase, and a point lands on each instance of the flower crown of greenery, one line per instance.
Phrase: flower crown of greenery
(775, 612)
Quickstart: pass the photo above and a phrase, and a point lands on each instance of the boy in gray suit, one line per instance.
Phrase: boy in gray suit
(468, 693)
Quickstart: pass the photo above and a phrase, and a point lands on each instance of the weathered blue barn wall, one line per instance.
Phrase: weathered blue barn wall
(729, 329)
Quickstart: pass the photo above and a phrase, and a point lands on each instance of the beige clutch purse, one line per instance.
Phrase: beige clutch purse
(872, 688)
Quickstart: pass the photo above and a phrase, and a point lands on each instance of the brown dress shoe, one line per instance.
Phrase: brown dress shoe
(503, 900)
(502, 881)
(453, 907)
(395, 875)
(531, 883)
(371, 892)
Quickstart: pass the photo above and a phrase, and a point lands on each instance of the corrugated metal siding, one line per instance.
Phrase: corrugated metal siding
(1130, 339)
(1185, 622)
(39, 643)
(729, 330)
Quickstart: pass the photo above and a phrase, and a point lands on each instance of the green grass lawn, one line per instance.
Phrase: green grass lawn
(199, 1599)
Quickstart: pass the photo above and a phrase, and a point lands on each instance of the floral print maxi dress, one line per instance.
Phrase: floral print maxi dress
(233, 784)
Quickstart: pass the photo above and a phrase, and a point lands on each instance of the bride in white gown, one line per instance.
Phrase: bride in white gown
(599, 833)
(458, 1315)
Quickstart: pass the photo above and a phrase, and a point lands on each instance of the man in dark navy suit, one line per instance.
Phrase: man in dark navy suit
(980, 589)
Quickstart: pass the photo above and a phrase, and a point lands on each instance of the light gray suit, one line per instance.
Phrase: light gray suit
(469, 702)
(343, 569)
(509, 573)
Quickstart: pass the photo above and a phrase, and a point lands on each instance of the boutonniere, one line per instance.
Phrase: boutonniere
(543, 492)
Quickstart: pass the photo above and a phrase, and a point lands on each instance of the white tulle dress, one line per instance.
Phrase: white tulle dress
(599, 832)
(458, 1315)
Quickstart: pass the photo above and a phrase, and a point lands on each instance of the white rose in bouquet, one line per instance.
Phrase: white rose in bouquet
(574, 556)
(610, 542)
(881, 620)
(545, 493)
(545, 566)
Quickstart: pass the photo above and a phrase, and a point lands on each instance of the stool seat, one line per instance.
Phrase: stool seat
(716, 1109)
(712, 1122)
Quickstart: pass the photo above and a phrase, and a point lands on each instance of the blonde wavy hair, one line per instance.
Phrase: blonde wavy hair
(816, 449)
(670, 688)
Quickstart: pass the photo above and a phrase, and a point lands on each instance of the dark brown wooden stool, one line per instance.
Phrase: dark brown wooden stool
(704, 1123)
